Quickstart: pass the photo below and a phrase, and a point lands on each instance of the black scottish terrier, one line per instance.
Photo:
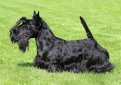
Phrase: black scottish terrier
(55, 54)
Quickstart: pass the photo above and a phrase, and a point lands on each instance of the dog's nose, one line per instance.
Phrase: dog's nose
(10, 31)
(12, 35)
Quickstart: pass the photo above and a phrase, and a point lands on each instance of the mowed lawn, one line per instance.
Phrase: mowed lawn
(103, 18)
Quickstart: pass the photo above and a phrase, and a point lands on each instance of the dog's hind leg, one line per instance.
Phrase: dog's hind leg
(100, 64)
(102, 68)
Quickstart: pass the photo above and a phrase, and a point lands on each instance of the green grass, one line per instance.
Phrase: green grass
(103, 18)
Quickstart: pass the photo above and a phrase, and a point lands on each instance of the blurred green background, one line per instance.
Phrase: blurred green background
(103, 18)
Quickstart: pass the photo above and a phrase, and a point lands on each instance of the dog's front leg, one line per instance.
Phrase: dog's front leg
(38, 62)
(52, 68)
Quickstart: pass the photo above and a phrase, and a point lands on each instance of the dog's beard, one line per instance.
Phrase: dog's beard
(23, 44)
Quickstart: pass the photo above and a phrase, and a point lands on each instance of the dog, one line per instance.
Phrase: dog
(55, 54)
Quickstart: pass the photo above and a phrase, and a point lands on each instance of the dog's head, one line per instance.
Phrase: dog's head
(25, 29)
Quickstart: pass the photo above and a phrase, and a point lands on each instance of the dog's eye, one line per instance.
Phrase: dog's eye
(20, 23)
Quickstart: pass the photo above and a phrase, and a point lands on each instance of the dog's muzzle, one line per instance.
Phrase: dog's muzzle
(12, 36)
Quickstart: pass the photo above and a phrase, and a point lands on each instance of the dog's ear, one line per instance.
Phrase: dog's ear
(38, 14)
(34, 13)
(36, 17)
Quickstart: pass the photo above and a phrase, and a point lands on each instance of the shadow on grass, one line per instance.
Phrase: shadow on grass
(25, 64)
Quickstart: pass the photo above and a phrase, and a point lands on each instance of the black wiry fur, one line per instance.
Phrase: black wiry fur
(55, 54)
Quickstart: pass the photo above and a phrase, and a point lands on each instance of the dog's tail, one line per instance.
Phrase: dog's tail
(88, 32)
